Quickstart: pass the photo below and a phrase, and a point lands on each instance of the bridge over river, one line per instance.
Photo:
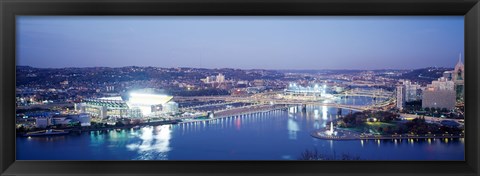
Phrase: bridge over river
(265, 108)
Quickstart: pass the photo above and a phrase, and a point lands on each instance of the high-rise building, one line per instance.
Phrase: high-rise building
(413, 92)
(407, 92)
(439, 94)
(448, 75)
(400, 96)
(458, 77)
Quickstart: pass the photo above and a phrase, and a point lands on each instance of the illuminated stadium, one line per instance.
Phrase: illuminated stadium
(136, 105)
(148, 104)
(297, 90)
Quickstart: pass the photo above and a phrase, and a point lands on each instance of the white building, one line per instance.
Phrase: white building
(220, 78)
(209, 79)
(442, 84)
(439, 94)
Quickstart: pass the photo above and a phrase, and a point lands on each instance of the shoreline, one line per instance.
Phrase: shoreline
(177, 121)
(80, 130)
(356, 136)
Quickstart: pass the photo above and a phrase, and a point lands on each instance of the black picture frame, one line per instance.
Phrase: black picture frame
(10, 8)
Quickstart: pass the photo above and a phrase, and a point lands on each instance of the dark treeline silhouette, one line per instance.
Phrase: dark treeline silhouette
(314, 155)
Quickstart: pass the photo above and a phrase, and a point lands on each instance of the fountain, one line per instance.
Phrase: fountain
(330, 132)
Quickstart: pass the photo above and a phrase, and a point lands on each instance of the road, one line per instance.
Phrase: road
(430, 118)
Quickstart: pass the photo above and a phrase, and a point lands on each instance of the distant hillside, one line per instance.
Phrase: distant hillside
(325, 71)
(424, 75)
(105, 75)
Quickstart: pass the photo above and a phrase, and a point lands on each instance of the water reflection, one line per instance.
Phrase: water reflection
(238, 123)
(154, 142)
(293, 128)
(262, 136)
(324, 113)
(46, 139)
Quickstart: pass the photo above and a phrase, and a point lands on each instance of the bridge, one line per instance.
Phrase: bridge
(364, 83)
(248, 110)
(336, 105)
(269, 96)
(273, 99)
(262, 109)
(202, 98)
(287, 102)
(207, 105)
(365, 93)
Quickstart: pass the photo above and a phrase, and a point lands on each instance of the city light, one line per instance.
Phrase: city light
(365, 105)
(148, 99)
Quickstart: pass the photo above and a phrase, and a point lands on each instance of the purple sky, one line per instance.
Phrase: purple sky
(358, 42)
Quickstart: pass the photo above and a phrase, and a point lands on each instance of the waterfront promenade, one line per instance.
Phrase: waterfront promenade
(350, 135)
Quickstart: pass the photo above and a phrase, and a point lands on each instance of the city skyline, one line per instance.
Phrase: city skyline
(150, 88)
(294, 43)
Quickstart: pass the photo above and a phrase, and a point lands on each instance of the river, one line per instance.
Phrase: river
(277, 135)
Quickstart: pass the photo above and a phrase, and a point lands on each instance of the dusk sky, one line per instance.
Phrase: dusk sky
(241, 42)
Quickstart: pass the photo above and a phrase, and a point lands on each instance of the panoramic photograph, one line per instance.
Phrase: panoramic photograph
(316, 88)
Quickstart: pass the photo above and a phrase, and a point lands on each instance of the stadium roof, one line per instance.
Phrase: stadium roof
(111, 98)
(148, 99)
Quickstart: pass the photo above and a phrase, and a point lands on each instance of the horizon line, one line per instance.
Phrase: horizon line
(329, 69)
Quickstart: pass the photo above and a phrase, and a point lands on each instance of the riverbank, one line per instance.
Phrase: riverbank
(351, 135)
(88, 129)
(244, 138)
